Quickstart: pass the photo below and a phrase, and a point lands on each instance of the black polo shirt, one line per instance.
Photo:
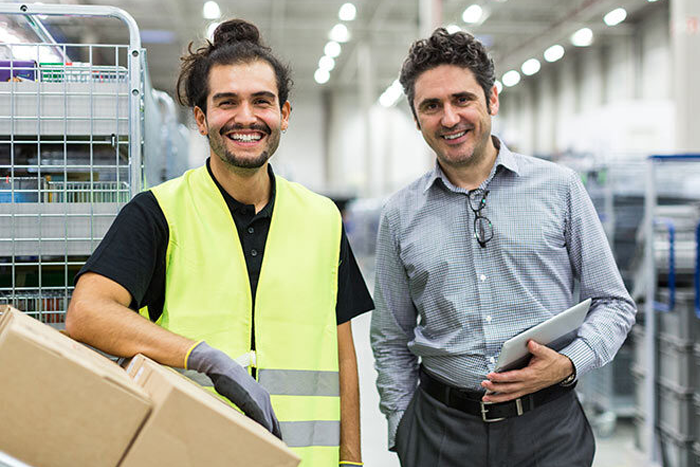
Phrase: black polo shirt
(132, 254)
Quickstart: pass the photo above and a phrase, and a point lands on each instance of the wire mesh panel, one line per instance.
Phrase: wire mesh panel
(69, 140)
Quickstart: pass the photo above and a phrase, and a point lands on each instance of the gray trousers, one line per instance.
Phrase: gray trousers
(556, 434)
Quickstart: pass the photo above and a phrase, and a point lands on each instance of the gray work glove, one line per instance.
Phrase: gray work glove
(233, 382)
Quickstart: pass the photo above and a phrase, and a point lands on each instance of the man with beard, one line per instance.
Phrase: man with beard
(484, 246)
(272, 336)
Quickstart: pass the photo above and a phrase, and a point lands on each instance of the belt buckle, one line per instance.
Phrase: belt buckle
(485, 410)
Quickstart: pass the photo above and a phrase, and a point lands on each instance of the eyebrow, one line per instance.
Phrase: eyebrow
(225, 95)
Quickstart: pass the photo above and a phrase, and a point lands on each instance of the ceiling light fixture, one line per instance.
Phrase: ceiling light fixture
(531, 66)
(499, 86)
(210, 30)
(615, 17)
(347, 12)
(554, 53)
(332, 49)
(511, 78)
(211, 10)
(582, 38)
(339, 33)
(322, 76)
(326, 63)
(472, 14)
(392, 94)
(453, 28)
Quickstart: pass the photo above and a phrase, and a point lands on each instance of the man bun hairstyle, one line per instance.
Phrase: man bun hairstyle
(235, 41)
(442, 48)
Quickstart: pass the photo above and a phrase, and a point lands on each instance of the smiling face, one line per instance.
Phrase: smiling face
(243, 120)
(452, 114)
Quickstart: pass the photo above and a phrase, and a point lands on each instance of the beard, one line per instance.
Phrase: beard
(217, 142)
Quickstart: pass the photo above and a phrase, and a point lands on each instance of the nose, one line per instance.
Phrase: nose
(245, 114)
(449, 116)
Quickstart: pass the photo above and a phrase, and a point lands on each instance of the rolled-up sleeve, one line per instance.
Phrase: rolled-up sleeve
(393, 323)
(612, 311)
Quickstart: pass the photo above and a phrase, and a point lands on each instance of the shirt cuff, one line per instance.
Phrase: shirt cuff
(581, 356)
(393, 421)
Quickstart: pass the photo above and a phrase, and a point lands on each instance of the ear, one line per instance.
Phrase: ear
(286, 111)
(493, 101)
(201, 119)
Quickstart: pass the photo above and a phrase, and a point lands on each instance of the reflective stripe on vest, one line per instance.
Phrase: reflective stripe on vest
(208, 298)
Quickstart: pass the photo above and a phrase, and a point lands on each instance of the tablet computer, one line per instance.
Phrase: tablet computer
(514, 353)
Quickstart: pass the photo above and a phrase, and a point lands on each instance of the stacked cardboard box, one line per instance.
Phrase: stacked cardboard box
(191, 427)
(62, 404)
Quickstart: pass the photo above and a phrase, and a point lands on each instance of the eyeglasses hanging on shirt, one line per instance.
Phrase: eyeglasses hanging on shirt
(483, 229)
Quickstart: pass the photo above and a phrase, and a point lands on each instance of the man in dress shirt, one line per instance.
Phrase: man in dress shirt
(482, 247)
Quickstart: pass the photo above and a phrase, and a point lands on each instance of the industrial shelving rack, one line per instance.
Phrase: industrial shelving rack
(70, 154)
(665, 360)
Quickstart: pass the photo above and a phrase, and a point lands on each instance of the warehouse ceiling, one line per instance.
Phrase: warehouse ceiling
(515, 30)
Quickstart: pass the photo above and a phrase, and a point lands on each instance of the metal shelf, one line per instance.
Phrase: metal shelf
(53, 229)
(72, 109)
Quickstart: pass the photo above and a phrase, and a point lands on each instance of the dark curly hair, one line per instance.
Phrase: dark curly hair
(235, 41)
(443, 48)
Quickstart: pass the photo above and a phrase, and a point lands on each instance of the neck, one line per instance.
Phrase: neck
(472, 174)
(248, 186)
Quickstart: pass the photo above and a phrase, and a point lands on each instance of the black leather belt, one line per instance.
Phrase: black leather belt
(470, 401)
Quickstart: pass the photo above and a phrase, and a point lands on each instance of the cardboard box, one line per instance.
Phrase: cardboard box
(191, 427)
(62, 404)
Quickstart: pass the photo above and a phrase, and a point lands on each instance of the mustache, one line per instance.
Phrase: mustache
(257, 127)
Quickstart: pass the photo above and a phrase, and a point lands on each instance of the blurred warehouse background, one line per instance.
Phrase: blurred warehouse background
(610, 88)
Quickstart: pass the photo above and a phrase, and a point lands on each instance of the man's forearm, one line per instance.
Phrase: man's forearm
(98, 315)
(350, 449)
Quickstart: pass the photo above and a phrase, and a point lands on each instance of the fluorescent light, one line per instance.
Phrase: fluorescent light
(322, 76)
(332, 49)
(554, 53)
(511, 78)
(210, 30)
(339, 33)
(582, 37)
(651, 1)
(499, 86)
(392, 94)
(453, 28)
(615, 17)
(326, 63)
(531, 66)
(347, 12)
(472, 14)
(211, 10)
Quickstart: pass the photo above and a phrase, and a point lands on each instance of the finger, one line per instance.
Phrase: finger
(509, 376)
(495, 398)
(506, 388)
(539, 350)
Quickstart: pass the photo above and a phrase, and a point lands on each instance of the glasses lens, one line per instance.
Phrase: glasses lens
(483, 229)
(477, 199)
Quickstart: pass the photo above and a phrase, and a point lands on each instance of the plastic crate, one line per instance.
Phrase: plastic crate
(676, 450)
(676, 361)
(681, 321)
(676, 409)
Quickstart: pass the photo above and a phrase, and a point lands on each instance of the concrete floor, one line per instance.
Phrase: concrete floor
(616, 450)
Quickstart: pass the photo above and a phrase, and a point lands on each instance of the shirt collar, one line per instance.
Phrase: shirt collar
(264, 212)
(505, 159)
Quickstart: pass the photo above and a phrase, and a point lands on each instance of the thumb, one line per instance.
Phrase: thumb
(538, 350)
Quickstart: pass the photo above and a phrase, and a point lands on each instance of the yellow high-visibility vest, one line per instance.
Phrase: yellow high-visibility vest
(208, 297)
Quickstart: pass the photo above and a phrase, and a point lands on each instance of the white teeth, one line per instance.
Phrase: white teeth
(245, 137)
(455, 136)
